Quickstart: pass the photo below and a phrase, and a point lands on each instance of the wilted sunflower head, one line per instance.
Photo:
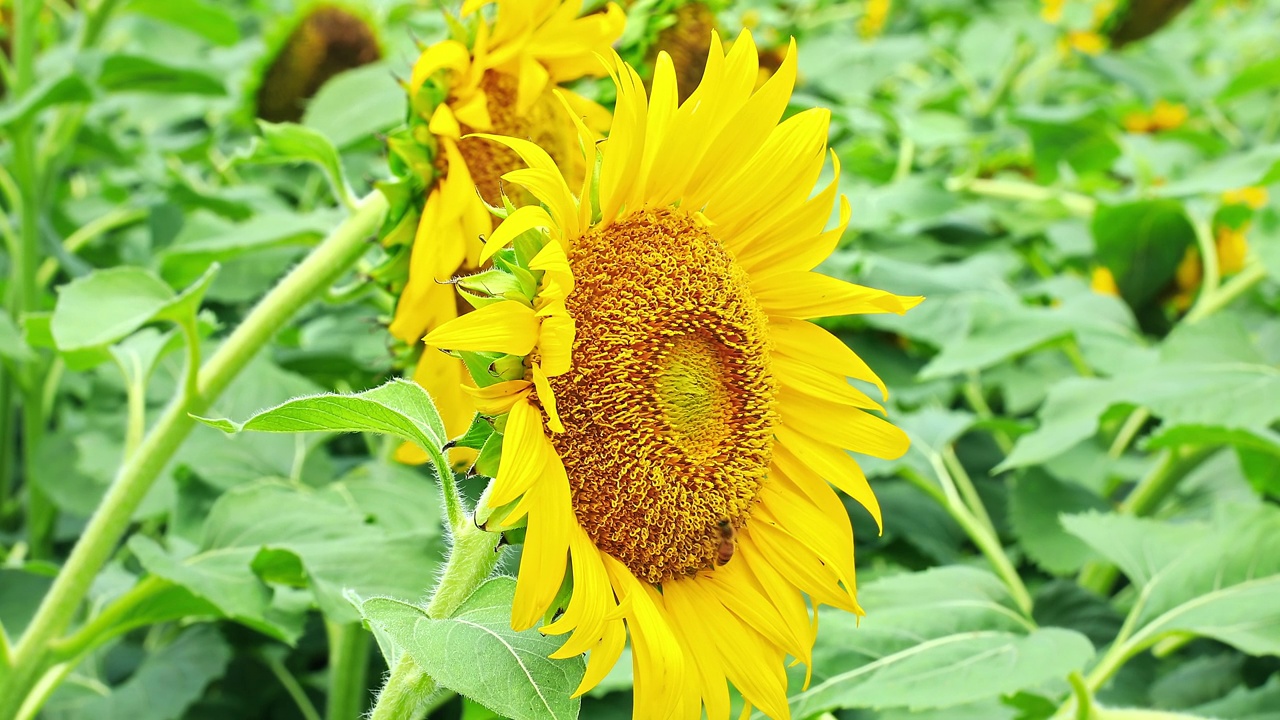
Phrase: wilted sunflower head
(669, 419)
(325, 39)
(497, 74)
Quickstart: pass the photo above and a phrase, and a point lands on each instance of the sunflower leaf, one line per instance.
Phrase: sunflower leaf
(400, 408)
(1218, 582)
(476, 654)
(939, 638)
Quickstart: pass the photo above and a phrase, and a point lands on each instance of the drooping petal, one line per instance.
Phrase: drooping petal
(505, 327)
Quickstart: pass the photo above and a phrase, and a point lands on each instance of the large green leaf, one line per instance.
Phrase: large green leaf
(1036, 503)
(290, 143)
(167, 682)
(1227, 395)
(935, 639)
(107, 305)
(356, 104)
(1220, 584)
(1141, 243)
(400, 408)
(475, 653)
(345, 537)
(137, 73)
(207, 20)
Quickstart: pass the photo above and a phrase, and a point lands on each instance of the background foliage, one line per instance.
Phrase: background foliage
(1088, 511)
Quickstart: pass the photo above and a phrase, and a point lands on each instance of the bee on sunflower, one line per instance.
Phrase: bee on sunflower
(668, 423)
(494, 75)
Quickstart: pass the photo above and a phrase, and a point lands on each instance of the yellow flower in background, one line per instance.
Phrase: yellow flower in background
(1086, 41)
(1232, 248)
(874, 16)
(1254, 197)
(503, 83)
(1163, 116)
(1103, 282)
(671, 419)
(1051, 10)
(1168, 116)
(686, 40)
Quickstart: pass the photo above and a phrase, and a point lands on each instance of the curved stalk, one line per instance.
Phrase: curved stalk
(107, 527)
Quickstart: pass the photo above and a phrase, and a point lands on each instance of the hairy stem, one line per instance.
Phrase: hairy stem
(472, 559)
(109, 522)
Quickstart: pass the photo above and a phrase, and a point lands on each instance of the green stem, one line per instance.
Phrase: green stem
(1071, 349)
(1128, 431)
(472, 559)
(1211, 276)
(1083, 697)
(967, 489)
(985, 540)
(7, 438)
(105, 529)
(1019, 190)
(291, 686)
(107, 624)
(87, 233)
(348, 667)
(1227, 293)
(972, 390)
(1172, 466)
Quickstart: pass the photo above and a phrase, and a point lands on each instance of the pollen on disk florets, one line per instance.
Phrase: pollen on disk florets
(668, 409)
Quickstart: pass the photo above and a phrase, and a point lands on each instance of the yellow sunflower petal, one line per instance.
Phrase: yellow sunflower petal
(831, 463)
(525, 453)
(505, 327)
(809, 380)
(804, 295)
(659, 664)
(546, 545)
(445, 55)
(603, 657)
(806, 342)
(516, 224)
(700, 648)
(753, 666)
(548, 399)
(499, 398)
(843, 425)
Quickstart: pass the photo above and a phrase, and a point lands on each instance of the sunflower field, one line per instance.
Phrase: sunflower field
(546, 359)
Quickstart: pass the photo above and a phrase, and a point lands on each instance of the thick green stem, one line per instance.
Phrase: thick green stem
(471, 561)
(348, 670)
(1172, 466)
(320, 269)
(1020, 190)
(1227, 293)
(986, 540)
(291, 686)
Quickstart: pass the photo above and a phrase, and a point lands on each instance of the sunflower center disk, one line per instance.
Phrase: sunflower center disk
(668, 410)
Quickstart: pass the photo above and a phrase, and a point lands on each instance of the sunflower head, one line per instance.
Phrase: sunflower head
(496, 73)
(321, 40)
(667, 423)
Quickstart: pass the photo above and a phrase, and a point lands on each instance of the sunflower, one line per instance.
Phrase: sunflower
(670, 420)
(498, 80)
(321, 40)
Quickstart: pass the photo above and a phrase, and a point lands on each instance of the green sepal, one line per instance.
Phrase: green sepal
(490, 455)
(562, 597)
(492, 368)
(414, 157)
(496, 283)
(524, 279)
(477, 435)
